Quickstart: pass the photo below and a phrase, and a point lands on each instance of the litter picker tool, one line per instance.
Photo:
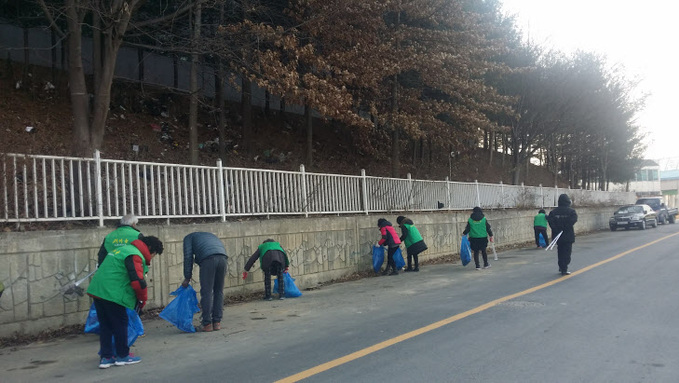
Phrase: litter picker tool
(74, 288)
(553, 243)
(492, 246)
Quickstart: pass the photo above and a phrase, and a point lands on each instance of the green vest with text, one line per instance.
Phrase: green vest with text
(112, 281)
(266, 246)
(121, 236)
(414, 235)
(477, 229)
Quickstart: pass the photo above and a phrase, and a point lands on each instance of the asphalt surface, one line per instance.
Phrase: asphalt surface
(612, 320)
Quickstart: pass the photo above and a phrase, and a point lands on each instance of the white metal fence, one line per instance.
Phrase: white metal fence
(48, 188)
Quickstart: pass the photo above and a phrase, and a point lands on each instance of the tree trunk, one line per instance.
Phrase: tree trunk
(76, 80)
(308, 122)
(219, 88)
(395, 139)
(193, 86)
(246, 104)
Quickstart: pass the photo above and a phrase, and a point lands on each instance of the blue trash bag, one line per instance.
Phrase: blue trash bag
(541, 240)
(290, 290)
(378, 258)
(180, 311)
(465, 251)
(135, 328)
(398, 259)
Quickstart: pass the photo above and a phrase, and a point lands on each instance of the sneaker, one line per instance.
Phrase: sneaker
(385, 272)
(216, 326)
(394, 273)
(487, 266)
(281, 297)
(478, 267)
(565, 273)
(127, 360)
(409, 269)
(267, 298)
(107, 362)
(207, 328)
(416, 269)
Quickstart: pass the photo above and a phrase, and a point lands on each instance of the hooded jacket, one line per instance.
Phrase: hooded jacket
(389, 236)
(411, 236)
(477, 218)
(562, 219)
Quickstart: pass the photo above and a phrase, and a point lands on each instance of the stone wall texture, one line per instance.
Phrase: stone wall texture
(35, 266)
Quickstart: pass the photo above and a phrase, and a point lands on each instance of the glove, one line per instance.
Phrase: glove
(491, 239)
(245, 274)
(286, 270)
(140, 305)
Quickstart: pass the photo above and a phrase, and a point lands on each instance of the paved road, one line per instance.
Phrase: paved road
(613, 320)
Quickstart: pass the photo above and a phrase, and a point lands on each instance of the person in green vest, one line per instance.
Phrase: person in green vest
(117, 285)
(2, 288)
(272, 260)
(124, 234)
(413, 241)
(540, 227)
(479, 232)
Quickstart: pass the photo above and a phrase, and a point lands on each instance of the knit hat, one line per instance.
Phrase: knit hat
(381, 221)
(477, 210)
(400, 219)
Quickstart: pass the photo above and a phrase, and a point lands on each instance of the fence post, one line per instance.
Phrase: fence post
(100, 197)
(222, 195)
(450, 200)
(304, 200)
(502, 194)
(556, 195)
(542, 197)
(478, 195)
(364, 182)
(410, 193)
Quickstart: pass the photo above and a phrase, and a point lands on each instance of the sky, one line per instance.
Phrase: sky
(639, 36)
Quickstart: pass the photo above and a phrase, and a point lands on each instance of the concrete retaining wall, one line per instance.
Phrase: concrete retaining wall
(34, 266)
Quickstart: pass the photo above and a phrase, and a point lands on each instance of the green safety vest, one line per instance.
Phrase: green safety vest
(266, 246)
(121, 236)
(414, 235)
(112, 281)
(540, 220)
(477, 229)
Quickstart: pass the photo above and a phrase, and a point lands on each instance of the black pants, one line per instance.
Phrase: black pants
(564, 253)
(274, 269)
(390, 259)
(410, 260)
(540, 230)
(212, 272)
(112, 326)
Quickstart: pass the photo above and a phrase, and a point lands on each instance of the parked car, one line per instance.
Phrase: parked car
(665, 214)
(640, 216)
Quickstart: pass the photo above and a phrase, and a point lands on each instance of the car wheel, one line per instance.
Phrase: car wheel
(662, 220)
(643, 225)
(672, 219)
(613, 228)
(655, 223)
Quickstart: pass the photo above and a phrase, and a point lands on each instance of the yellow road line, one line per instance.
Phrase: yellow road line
(390, 342)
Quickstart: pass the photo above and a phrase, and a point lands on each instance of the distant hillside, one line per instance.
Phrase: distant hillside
(155, 121)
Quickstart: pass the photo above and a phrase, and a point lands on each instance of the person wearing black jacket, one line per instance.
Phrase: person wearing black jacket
(479, 232)
(274, 261)
(413, 240)
(561, 220)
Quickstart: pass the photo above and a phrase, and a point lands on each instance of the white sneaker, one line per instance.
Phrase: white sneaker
(487, 267)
